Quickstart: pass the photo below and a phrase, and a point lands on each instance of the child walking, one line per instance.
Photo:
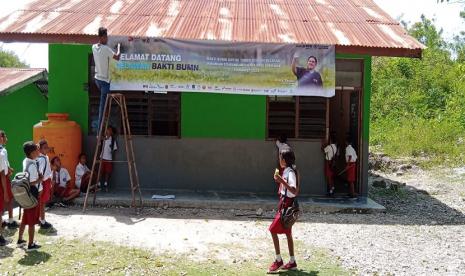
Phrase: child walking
(108, 147)
(30, 216)
(45, 169)
(289, 190)
(7, 172)
(62, 181)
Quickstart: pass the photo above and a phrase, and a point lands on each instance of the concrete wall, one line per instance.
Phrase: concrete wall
(214, 164)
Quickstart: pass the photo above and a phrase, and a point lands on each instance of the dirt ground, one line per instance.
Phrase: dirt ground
(421, 233)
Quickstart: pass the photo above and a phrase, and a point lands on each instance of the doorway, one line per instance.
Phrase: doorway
(345, 122)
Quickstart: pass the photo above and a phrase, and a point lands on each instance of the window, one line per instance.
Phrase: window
(297, 117)
(149, 114)
(152, 114)
(305, 117)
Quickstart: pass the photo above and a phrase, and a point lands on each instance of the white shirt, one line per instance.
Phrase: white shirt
(351, 152)
(80, 171)
(330, 151)
(4, 164)
(61, 177)
(32, 170)
(44, 162)
(289, 176)
(107, 153)
(102, 57)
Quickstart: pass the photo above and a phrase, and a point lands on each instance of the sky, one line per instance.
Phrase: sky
(446, 16)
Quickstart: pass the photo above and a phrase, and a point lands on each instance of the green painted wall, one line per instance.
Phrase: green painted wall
(223, 116)
(20, 111)
(366, 98)
(202, 115)
(366, 91)
(67, 75)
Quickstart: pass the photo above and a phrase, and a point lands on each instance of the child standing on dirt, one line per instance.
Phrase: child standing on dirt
(5, 174)
(31, 216)
(62, 181)
(289, 190)
(4, 198)
(108, 147)
(46, 170)
(351, 167)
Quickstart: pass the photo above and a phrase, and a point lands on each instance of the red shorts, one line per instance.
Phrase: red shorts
(62, 191)
(328, 169)
(47, 191)
(107, 167)
(1, 202)
(276, 226)
(351, 172)
(31, 216)
(8, 191)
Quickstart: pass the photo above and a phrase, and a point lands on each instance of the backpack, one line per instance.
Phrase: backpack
(289, 215)
(25, 194)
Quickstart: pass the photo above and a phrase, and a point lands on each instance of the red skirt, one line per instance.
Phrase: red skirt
(276, 226)
(47, 191)
(328, 169)
(31, 216)
(351, 172)
(107, 167)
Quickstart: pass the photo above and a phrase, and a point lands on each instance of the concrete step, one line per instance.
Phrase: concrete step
(239, 202)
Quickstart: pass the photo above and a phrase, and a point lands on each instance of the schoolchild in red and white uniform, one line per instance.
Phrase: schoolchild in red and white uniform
(7, 198)
(31, 216)
(330, 151)
(289, 189)
(46, 169)
(61, 180)
(351, 168)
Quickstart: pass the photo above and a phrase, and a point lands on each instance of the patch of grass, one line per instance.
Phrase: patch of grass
(430, 142)
(74, 257)
(376, 193)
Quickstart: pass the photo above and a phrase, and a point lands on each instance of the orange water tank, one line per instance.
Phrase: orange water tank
(63, 137)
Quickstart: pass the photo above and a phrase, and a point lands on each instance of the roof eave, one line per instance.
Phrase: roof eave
(90, 39)
(39, 76)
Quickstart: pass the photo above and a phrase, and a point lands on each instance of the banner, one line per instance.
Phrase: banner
(164, 65)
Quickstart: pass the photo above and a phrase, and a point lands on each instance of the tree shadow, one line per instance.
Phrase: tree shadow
(6, 251)
(34, 257)
(7, 232)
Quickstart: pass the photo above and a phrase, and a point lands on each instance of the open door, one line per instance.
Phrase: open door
(345, 121)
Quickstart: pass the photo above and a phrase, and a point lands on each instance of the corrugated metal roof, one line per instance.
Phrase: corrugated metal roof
(346, 23)
(12, 79)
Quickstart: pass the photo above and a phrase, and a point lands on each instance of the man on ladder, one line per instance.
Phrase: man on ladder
(102, 56)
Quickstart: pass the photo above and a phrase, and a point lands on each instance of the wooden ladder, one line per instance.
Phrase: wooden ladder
(120, 101)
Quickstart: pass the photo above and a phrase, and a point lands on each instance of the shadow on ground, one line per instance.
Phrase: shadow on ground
(34, 258)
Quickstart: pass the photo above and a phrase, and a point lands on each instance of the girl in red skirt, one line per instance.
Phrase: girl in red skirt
(289, 190)
(30, 216)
